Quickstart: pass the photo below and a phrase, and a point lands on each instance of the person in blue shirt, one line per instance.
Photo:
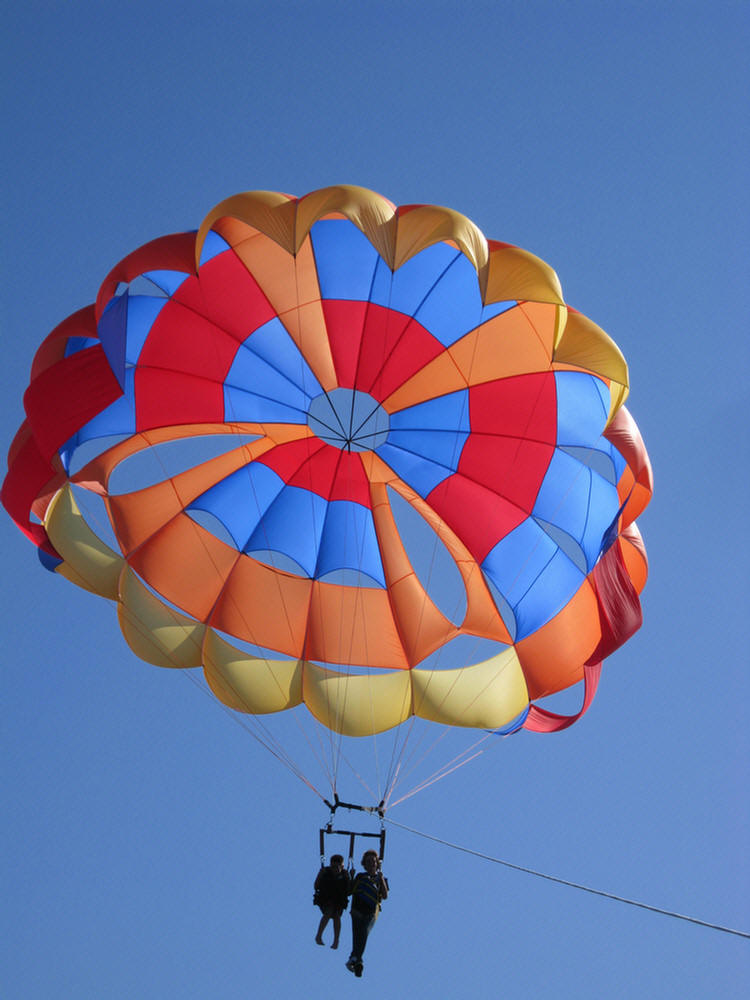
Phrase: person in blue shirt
(368, 889)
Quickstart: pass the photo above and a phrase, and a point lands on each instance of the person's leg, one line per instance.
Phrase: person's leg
(336, 928)
(321, 927)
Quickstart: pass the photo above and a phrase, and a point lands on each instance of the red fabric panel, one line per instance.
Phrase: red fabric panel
(511, 468)
(524, 406)
(396, 347)
(226, 292)
(479, 517)
(539, 720)
(175, 252)
(393, 348)
(28, 474)
(344, 324)
(167, 399)
(287, 459)
(182, 341)
(620, 613)
(313, 465)
(67, 395)
(623, 433)
(52, 348)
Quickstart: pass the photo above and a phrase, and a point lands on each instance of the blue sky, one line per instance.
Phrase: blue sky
(150, 846)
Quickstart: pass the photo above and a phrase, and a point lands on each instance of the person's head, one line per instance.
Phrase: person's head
(370, 861)
(337, 862)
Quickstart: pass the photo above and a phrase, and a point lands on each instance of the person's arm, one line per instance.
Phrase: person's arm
(383, 887)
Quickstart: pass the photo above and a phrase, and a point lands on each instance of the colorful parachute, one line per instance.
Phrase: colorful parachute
(355, 368)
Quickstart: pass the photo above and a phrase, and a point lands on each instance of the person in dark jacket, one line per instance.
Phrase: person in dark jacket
(368, 889)
(331, 896)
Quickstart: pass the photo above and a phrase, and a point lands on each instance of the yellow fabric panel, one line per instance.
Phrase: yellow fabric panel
(552, 658)
(269, 212)
(186, 564)
(586, 346)
(513, 273)
(89, 563)
(263, 606)
(357, 704)
(249, 684)
(371, 213)
(154, 631)
(422, 225)
(487, 695)
(353, 625)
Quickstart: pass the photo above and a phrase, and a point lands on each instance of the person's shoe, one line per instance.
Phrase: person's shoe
(352, 966)
(358, 969)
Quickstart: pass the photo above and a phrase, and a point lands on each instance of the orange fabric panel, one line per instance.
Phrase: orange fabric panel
(353, 625)
(291, 286)
(186, 565)
(482, 617)
(262, 605)
(552, 658)
(136, 516)
(517, 341)
(423, 628)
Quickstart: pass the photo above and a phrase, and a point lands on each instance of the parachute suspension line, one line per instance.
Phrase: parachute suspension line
(458, 761)
(266, 740)
(572, 885)
(267, 743)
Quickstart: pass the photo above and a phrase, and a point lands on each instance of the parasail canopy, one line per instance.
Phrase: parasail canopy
(405, 482)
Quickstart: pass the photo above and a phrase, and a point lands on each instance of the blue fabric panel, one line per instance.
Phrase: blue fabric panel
(512, 727)
(533, 574)
(579, 501)
(517, 560)
(112, 329)
(449, 416)
(241, 500)
(168, 281)
(253, 408)
(454, 305)
(602, 460)
(449, 412)
(406, 288)
(345, 260)
(49, 561)
(272, 343)
(581, 411)
(75, 344)
(142, 313)
(563, 497)
(557, 583)
(603, 506)
(213, 246)
(293, 525)
(250, 373)
(420, 473)
(618, 460)
(117, 418)
(349, 542)
(442, 447)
